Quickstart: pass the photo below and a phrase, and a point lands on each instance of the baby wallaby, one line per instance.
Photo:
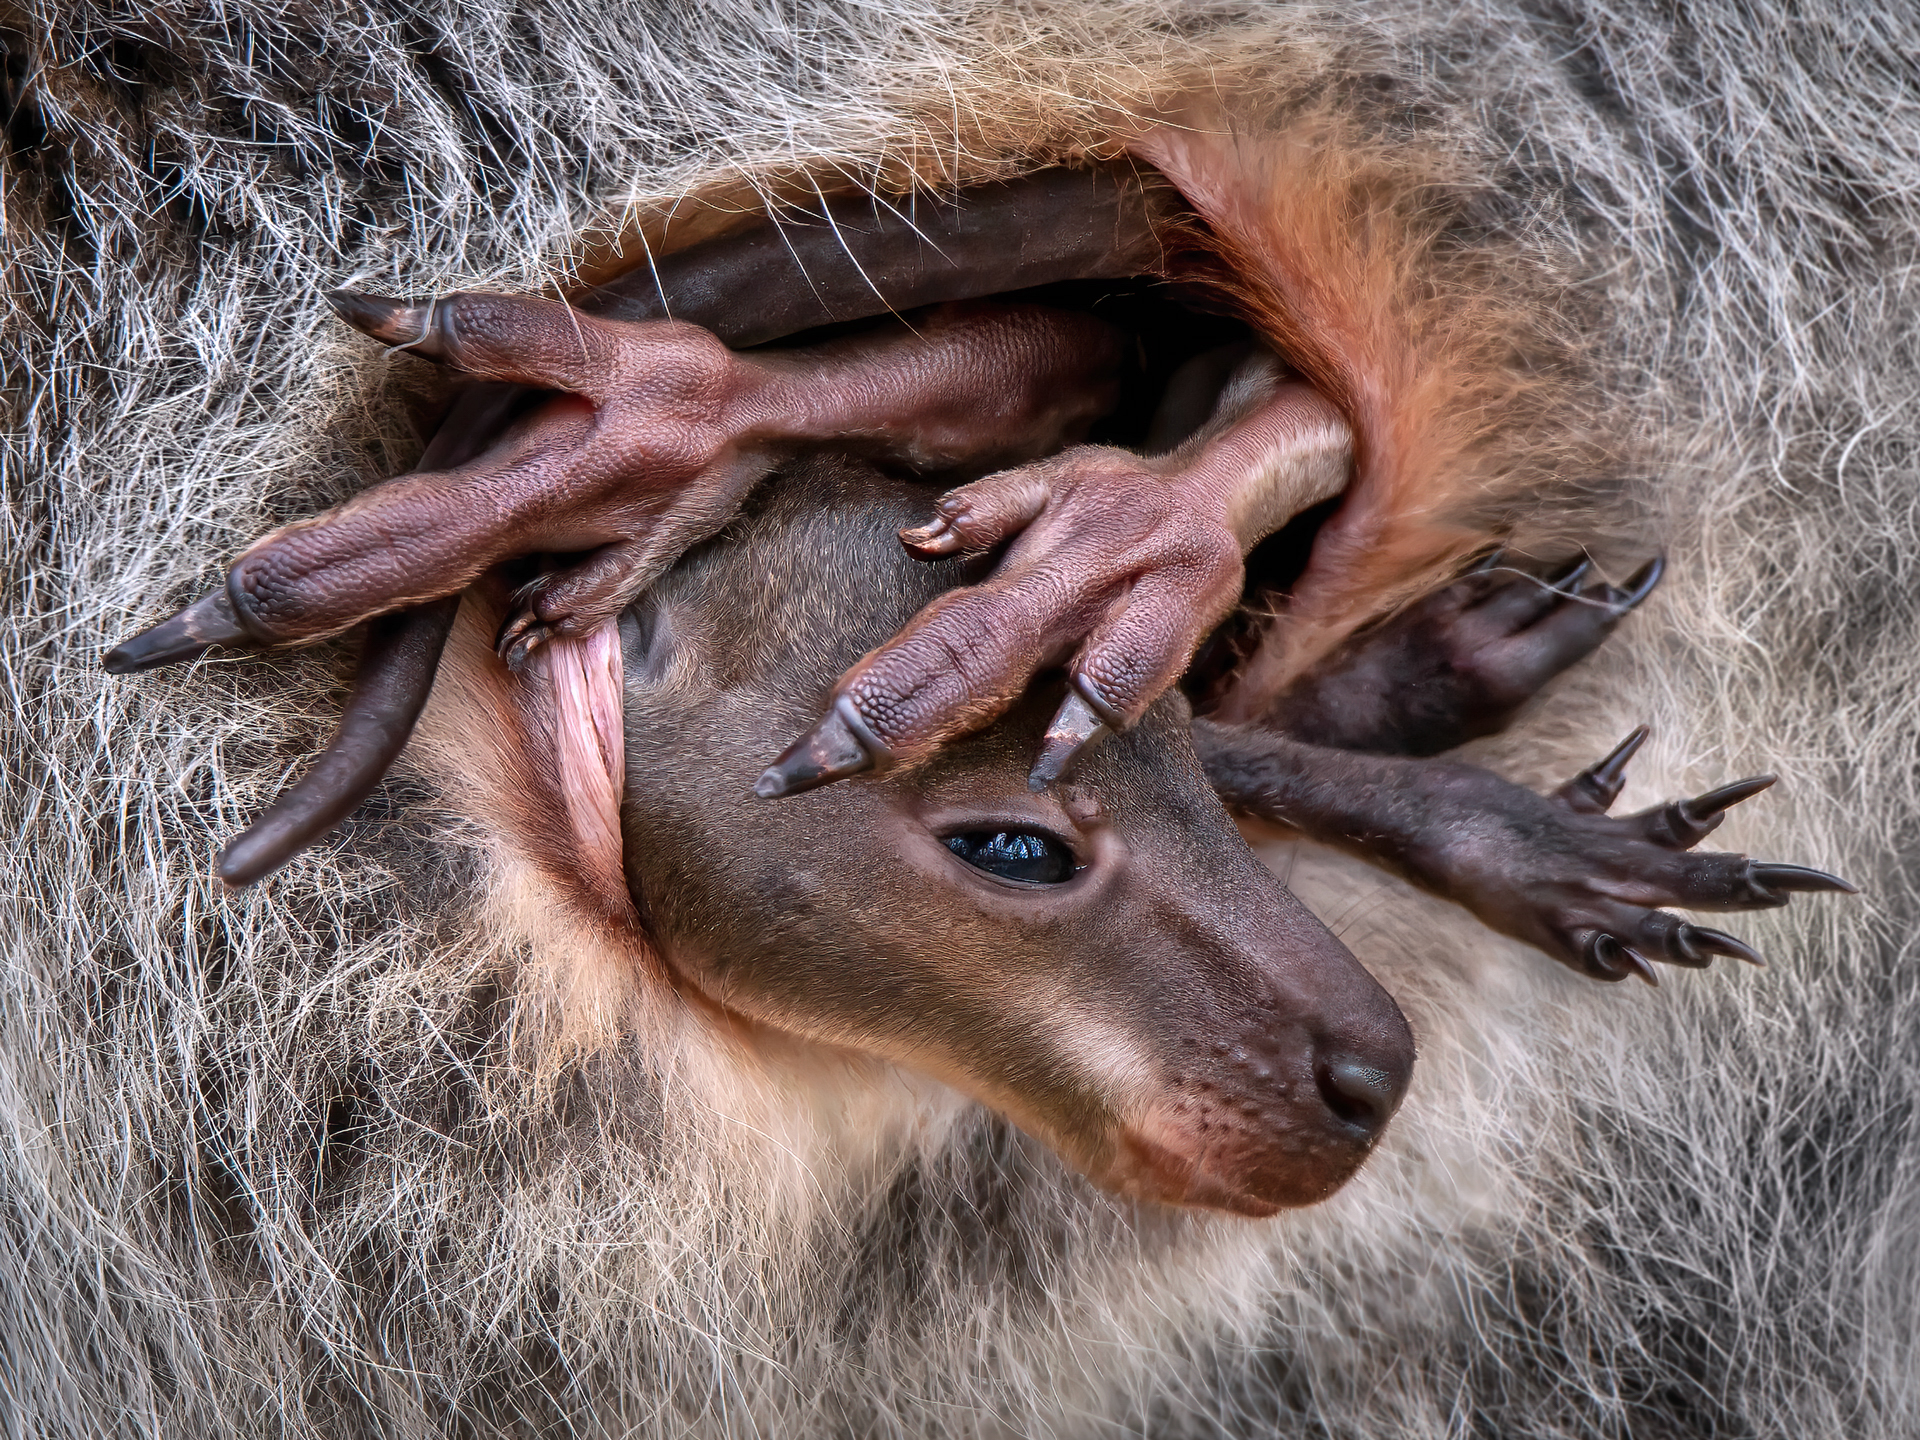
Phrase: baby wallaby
(1105, 961)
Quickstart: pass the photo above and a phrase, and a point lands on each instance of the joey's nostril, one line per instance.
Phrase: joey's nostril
(1364, 1096)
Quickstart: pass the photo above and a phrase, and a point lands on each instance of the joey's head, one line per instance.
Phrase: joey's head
(1105, 961)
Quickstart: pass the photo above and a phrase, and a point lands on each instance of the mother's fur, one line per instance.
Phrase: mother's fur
(384, 1150)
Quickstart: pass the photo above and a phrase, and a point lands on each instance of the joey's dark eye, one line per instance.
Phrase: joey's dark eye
(1015, 855)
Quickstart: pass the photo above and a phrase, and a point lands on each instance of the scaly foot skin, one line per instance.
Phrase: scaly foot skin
(1457, 664)
(1116, 566)
(658, 433)
(1556, 871)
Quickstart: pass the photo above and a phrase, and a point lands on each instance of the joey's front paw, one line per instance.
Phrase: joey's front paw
(1587, 887)
(1115, 566)
(1458, 663)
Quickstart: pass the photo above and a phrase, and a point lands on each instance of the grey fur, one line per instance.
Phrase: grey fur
(319, 1159)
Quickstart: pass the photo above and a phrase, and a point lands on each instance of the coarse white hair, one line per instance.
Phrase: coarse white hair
(380, 1149)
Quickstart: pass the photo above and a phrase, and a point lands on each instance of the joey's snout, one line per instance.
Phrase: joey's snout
(1278, 1077)
(1269, 1118)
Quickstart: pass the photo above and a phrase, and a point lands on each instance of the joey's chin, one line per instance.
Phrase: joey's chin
(1144, 1168)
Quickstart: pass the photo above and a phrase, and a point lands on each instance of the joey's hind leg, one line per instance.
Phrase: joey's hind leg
(656, 434)
(1458, 663)
(1555, 870)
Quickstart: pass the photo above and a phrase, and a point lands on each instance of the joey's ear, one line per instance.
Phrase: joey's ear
(655, 646)
(587, 692)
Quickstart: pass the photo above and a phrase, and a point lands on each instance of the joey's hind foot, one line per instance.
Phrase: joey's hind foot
(1556, 871)
(1113, 566)
(1459, 663)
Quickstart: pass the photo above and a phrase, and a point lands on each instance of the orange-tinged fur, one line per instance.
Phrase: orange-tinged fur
(1330, 248)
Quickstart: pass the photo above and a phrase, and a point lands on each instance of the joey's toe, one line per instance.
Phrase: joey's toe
(1775, 879)
(208, 622)
(519, 638)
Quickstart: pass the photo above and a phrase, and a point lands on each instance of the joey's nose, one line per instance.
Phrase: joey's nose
(1363, 1092)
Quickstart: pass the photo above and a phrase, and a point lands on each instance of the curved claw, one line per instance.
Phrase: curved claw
(1637, 963)
(402, 324)
(522, 632)
(1685, 823)
(838, 745)
(1639, 585)
(186, 635)
(1075, 726)
(1570, 574)
(1718, 942)
(395, 677)
(1594, 789)
(1602, 956)
(1768, 876)
(515, 650)
(1609, 958)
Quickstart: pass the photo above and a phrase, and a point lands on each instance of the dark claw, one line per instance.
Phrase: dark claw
(395, 677)
(1594, 789)
(516, 650)
(1602, 955)
(1769, 876)
(1704, 807)
(1685, 823)
(833, 749)
(522, 632)
(209, 621)
(1637, 963)
(1608, 959)
(1075, 726)
(1639, 585)
(1570, 575)
(404, 324)
(1718, 942)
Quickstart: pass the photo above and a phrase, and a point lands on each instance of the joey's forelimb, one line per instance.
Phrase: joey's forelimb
(657, 432)
(1116, 565)
(1556, 871)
